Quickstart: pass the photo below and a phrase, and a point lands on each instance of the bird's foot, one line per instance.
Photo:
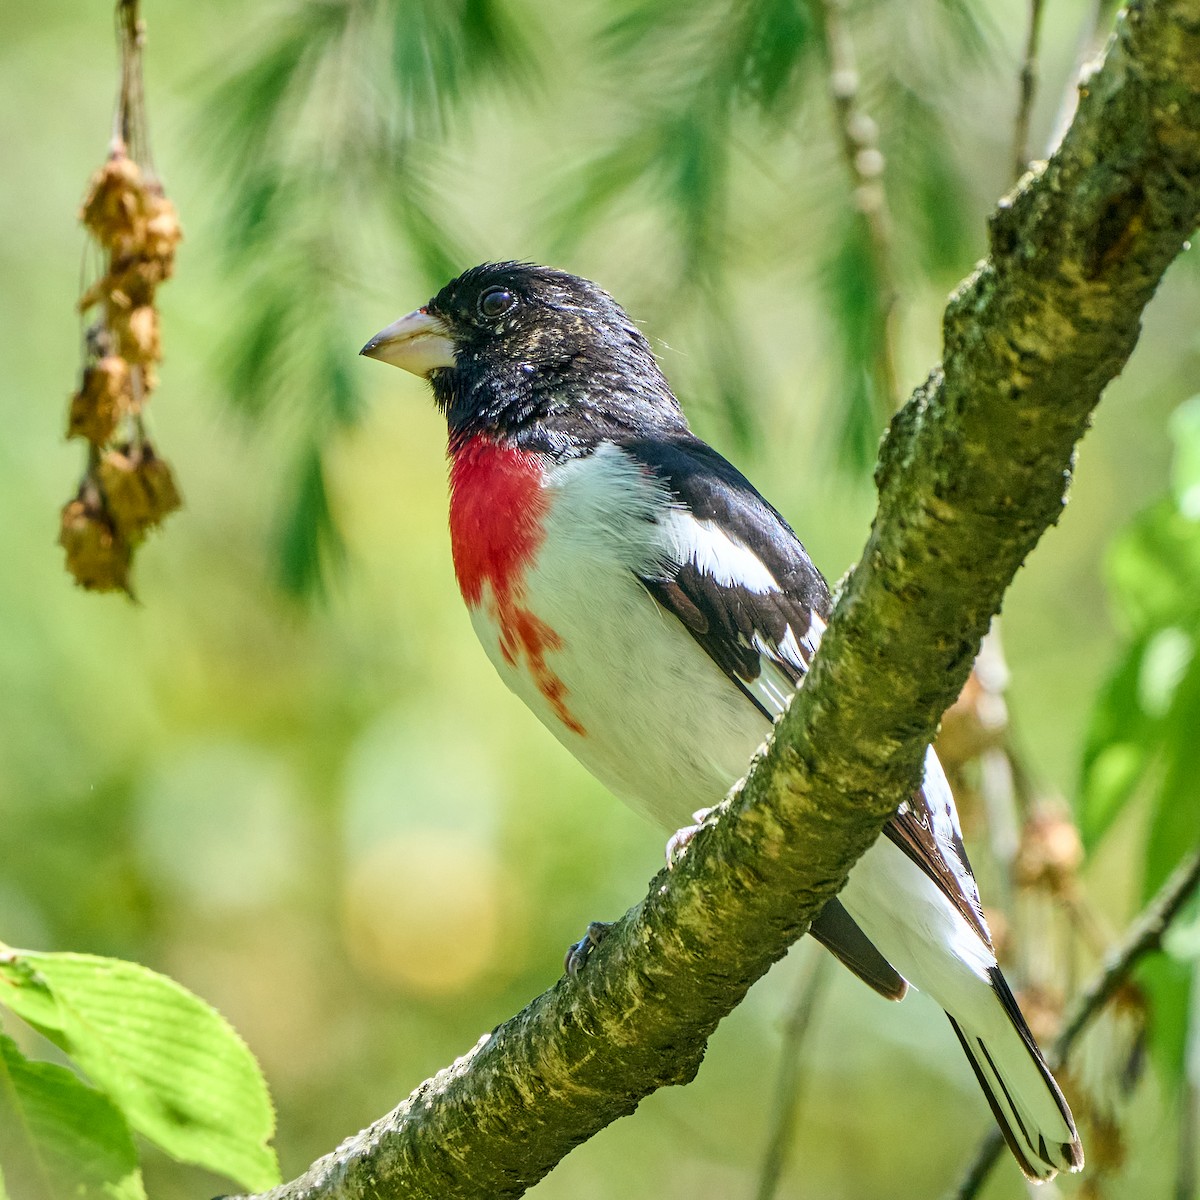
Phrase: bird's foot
(682, 838)
(578, 954)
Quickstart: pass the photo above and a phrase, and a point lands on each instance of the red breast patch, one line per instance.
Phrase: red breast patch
(497, 507)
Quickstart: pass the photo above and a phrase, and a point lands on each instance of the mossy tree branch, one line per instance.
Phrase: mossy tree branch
(972, 473)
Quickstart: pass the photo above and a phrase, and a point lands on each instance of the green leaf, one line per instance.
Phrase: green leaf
(1168, 984)
(642, 27)
(256, 362)
(493, 40)
(1119, 747)
(600, 187)
(178, 1071)
(436, 253)
(727, 357)
(692, 160)
(1175, 822)
(1143, 725)
(59, 1137)
(1154, 570)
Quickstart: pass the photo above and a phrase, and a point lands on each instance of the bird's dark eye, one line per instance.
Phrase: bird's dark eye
(495, 302)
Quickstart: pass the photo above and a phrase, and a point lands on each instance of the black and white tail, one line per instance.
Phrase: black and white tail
(1024, 1098)
(943, 949)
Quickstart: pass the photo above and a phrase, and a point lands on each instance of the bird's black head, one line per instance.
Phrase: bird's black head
(513, 349)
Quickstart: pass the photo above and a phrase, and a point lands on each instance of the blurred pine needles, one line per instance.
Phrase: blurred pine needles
(337, 117)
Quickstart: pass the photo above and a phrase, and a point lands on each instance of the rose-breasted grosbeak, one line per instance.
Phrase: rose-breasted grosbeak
(656, 613)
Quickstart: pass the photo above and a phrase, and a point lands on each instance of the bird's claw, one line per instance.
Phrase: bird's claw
(681, 838)
(578, 954)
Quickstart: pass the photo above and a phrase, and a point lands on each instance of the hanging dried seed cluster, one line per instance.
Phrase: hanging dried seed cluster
(127, 488)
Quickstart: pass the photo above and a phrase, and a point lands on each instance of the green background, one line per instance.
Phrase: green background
(329, 818)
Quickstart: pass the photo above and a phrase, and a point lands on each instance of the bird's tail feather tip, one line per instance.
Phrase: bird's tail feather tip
(1037, 1143)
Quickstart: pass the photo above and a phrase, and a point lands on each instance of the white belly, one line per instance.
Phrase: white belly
(662, 726)
(623, 685)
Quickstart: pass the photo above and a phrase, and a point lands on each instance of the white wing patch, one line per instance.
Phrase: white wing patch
(811, 640)
(689, 539)
(779, 665)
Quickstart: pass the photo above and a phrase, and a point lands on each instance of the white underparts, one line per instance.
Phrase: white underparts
(668, 731)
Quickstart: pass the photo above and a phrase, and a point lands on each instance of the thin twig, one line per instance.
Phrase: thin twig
(130, 118)
(1143, 937)
(789, 1086)
(859, 139)
(1027, 91)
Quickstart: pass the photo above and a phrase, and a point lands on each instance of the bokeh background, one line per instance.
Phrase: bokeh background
(287, 776)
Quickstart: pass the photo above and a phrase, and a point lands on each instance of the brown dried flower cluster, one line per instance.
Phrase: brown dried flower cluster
(1050, 853)
(127, 488)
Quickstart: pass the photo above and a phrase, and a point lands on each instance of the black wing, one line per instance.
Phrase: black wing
(764, 636)
(764, 640)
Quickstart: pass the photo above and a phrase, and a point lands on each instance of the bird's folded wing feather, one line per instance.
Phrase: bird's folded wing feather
(739, 580)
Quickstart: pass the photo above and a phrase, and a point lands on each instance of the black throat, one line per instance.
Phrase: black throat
(565, 408)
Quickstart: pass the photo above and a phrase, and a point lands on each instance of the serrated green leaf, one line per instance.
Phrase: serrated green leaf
(180, 1074)
(59, 1137)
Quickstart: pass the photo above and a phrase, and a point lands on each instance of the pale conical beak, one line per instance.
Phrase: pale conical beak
(419, 343)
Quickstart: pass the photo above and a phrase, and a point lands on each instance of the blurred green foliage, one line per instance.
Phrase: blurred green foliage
(333, 822)
(344, 105)
(1146, 719)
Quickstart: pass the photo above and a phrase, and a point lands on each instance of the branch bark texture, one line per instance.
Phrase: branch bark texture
(974, 469)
